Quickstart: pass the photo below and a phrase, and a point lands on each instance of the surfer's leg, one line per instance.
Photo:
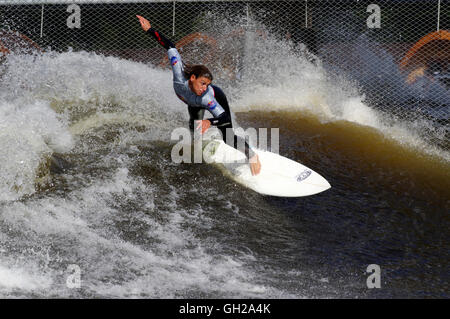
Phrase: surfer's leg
(236, 140)
(195, 113)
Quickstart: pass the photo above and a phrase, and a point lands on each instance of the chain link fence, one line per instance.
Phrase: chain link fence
(395, 52)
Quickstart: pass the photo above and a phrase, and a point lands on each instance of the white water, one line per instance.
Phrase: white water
(29, 132)
(287, 81)
(80, 226)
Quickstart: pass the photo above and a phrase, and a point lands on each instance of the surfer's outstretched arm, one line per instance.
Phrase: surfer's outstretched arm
(172, 52)
(161, 38)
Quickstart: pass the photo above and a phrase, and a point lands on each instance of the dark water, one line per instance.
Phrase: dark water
(388, 206)
(88, 184)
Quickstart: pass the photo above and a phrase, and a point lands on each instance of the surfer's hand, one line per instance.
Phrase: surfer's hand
(145, 24)
(255, 165)
(204, 125)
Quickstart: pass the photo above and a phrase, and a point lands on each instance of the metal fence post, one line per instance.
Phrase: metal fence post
(306, 14)
(439, 14)
(173, 18)
(42, 20)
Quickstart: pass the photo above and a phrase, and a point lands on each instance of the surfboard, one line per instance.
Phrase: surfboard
(279, 176)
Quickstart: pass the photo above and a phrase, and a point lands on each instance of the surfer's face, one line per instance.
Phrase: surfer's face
(199, 85)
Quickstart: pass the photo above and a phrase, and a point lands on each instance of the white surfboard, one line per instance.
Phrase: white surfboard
(279, 175)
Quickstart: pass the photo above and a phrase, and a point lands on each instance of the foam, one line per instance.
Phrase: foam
(20, 279)
(175, 264)
(65, 95)
(28, 133)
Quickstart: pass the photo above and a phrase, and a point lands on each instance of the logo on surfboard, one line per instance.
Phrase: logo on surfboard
(303, 175)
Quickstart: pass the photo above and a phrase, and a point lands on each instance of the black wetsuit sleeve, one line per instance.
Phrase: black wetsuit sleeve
(222, 120)
(161, 38)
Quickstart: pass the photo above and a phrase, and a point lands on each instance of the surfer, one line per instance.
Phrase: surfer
(192, 85)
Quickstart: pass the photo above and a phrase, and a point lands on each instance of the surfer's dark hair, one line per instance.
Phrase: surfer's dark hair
(198, 70)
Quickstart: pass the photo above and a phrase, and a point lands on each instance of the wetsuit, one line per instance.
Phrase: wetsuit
(213, 100)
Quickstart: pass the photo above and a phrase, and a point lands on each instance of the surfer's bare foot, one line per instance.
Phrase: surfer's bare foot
(255, 165)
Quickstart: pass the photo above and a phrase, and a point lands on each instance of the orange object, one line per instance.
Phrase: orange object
(10, 41)
(437, 35)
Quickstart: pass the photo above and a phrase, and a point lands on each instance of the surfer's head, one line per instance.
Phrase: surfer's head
(199, 78)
